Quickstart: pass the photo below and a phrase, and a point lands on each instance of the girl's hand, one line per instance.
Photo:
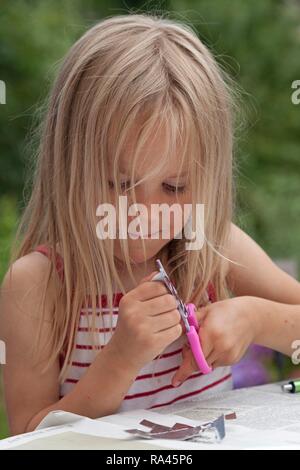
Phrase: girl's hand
(227, 328)
(148, 322)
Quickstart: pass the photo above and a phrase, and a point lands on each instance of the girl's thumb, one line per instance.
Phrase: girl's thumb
(201, 313)
(149, 277)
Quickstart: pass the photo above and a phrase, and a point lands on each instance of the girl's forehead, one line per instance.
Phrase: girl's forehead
(172, 168)
(154, 152)
(151, 155)
(152, 141)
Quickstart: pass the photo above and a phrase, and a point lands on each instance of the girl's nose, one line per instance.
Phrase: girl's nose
(148, 194)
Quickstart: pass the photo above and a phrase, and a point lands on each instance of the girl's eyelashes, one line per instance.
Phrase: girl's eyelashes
(174, 189)
(167, 187)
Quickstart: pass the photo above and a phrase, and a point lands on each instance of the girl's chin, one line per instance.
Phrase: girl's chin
(137, 255)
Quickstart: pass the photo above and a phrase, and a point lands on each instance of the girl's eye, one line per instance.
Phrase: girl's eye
(167, 187)
(174, 189)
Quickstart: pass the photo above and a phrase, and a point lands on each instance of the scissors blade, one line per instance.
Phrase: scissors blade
(169, 284)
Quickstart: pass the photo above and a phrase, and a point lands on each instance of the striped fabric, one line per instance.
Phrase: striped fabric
(152, 387)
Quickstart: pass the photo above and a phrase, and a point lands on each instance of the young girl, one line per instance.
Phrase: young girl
(140, 109)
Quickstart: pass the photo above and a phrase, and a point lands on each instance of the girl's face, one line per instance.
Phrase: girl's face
(163, 189)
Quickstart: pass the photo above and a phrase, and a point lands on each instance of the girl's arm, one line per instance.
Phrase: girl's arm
(264, 309)
(30, 394)
(256, 274)
(272, 295)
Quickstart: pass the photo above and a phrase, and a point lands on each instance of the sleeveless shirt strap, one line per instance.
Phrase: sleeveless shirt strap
(46, 250)
(211, 292)
(59, 265)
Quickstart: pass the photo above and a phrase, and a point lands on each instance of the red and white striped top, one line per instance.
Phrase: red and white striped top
(152, 387)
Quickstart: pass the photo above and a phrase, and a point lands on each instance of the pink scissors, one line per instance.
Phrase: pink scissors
(187, 312)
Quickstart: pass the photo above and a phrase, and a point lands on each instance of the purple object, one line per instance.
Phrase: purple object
(251, 369)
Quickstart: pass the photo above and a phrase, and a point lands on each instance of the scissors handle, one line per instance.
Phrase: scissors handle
(194, 340)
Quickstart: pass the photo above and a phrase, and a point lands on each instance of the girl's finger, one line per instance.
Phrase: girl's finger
(164, 321)
(201, 314)
(216, 363)
(187, 367)
(212, 357)
(206, 343)
(149, 277)
(160, 305)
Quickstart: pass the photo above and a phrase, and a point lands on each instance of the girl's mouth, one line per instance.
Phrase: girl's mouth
(135, 235)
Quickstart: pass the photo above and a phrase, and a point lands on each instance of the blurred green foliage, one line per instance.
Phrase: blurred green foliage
(8, 218)
(3, 420)
(257, 42)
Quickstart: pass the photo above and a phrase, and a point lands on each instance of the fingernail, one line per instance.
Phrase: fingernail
(154, 275)
(176, 383)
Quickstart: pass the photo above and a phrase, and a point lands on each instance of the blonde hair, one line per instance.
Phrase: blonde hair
(135, 69)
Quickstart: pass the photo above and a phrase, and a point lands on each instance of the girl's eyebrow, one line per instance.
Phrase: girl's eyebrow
(171, 177)
(180, 176)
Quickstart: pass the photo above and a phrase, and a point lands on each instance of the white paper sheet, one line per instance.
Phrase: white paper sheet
(267, 418)
(112, 426)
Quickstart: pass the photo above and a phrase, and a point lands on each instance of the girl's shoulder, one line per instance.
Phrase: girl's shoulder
(46, 251)
(24, 284)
